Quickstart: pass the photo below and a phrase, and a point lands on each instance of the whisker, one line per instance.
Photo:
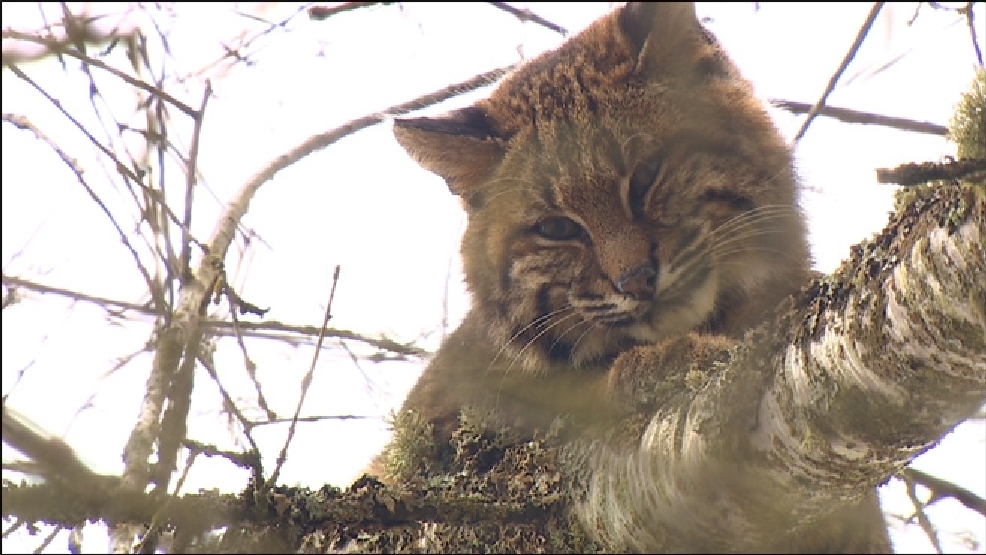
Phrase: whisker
(752, 217)
(536, 322)
(591, 327)
(748, 235)
(522, 350)
(534, 340)
(724, 256)
(562, 334)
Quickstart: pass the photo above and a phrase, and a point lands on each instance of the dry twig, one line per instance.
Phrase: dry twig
(863, 31)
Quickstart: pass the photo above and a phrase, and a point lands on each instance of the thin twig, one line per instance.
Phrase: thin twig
(248, 364)
(863, 31)
(234, 52)
(317, 418)
(306, 382)
(47, 541)
(56, 46)
(526, 14)
(321, 13)
(368, 382)
(972, 32)
(854, 116)
(119, 166)
(248, 460)
(222, 327)
(230, 405)
(190, 179)
(17, 525)
(21, 122)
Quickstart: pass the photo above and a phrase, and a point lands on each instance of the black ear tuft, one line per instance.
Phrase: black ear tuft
(470, 122)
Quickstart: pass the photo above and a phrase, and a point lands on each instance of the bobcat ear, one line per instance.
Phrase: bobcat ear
(461, 146)
(669, 40)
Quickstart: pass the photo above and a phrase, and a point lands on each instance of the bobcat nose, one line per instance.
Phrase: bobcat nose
(638, 283)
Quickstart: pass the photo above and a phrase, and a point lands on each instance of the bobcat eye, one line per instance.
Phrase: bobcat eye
(641, 181)
(733, 199)
(558, 228)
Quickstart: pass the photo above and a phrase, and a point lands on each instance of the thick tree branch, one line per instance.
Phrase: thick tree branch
(861, 373)
(856, 376)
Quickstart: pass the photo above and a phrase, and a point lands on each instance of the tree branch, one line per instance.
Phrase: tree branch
(863, 31)
(859, 374)
(969, 169)
(269, 329)
(526, 14)
(62, 48)
(321, 13)
(855, 376)
(854, 116)
(943, 488)
(179, 340)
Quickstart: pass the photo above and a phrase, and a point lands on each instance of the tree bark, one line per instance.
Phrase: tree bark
(853, 378)
(862, 372)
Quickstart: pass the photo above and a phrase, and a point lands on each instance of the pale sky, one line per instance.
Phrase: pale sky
(393, 228)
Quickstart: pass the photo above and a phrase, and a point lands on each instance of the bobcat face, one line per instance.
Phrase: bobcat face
(621, 190)
(608, 236)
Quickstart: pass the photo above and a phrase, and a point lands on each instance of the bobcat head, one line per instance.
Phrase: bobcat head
(624, 188)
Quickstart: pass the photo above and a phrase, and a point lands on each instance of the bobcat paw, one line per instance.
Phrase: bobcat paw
(642, 373)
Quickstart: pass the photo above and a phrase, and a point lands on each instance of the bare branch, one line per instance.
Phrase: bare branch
(191, 175)
(923, 521)
(51, 456)
(969, 17)
(941, 489)
(227, 328)
(306, 382)
(48, 539)
(79, 31)
(526, 14)
(863, 31)
(314, 418)
(916, 174)
(321, 13)
(184, 331)
(230, 405)
(248, 364)
(119, 166)
(853, 116)
(21, 122)
(61, 48)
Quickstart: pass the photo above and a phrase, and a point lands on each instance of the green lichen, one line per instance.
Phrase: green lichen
(968, 125)
(412, 445)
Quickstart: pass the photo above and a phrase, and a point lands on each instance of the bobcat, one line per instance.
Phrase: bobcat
(623, 192)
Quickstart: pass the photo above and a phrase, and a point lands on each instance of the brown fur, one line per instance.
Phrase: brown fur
(622, 191)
